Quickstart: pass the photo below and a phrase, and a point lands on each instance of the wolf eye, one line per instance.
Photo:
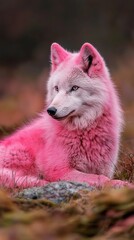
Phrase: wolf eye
(56, 88)
(74, 88)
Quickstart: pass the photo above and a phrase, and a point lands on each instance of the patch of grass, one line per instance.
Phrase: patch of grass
(105, 214)
(125, 167)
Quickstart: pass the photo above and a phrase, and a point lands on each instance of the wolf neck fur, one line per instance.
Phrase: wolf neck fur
(81, 124)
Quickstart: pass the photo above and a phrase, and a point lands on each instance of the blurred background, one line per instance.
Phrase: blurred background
(27, 29)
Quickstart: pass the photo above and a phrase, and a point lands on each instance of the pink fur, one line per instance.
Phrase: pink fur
(82, 147)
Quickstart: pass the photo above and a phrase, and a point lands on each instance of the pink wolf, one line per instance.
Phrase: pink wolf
(77, 137)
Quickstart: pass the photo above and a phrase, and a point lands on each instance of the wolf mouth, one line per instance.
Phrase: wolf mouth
(62, 118)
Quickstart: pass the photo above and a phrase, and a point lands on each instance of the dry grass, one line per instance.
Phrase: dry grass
(103, 214)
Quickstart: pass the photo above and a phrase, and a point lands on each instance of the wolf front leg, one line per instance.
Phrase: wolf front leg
(91, 179)
(94, 179)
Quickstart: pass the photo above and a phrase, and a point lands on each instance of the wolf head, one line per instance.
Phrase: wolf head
(78, 86)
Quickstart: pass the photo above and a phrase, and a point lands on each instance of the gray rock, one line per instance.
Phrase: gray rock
(56, 192)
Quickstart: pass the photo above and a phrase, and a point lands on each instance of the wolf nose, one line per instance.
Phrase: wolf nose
(51, 111)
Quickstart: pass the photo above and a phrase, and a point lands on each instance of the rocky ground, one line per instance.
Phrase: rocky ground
(68, 211)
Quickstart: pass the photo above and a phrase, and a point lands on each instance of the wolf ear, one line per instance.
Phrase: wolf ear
(58, 54)
(90, 60)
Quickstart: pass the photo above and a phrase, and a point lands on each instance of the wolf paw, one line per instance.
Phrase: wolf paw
(120, 183)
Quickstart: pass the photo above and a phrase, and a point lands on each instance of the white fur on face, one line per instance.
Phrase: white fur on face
(82, 106)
